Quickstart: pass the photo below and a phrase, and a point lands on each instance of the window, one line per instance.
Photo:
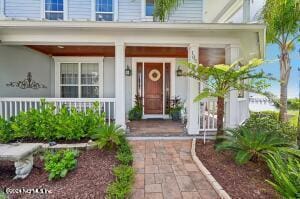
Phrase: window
(104, 10)
(54, 9)
(149, 8)
(79, 79)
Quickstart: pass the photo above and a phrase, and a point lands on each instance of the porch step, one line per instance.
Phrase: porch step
(155, 127)
(185, 137)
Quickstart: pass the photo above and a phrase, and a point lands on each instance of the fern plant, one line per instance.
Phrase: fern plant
(108, 136)
(249, 145)
(286, 174)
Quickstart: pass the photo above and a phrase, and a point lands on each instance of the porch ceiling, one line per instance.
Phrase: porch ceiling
(207, 56)
(109, 51)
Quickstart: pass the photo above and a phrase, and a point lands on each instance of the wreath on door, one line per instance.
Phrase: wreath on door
(154, 75)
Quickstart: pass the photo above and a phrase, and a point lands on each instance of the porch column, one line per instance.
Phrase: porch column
(120, 83)
(192, 92)
(232, 54)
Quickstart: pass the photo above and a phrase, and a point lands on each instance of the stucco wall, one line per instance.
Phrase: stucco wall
(16, 62)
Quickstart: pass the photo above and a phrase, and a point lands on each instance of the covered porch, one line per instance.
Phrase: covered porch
(111, 65)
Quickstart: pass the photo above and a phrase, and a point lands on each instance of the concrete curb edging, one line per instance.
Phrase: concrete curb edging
(89, 145)
(218, 188)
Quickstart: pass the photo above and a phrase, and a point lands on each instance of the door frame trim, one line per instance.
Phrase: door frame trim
(143, 60)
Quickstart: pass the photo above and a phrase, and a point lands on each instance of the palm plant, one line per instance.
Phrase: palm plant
(109, 136)
(248, 145)
(283, 28)
(286, 174)
(220, 79)
(164, 7)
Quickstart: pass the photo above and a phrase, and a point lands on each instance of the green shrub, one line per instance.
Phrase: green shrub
(136, 112)
(124, 154)
(267, 121)
(49, 124)
(59, 163)
(286, 174)
(108, 136)
(293, 104)
(2, 195)
(252, 145)
(6, 133)
(122, 187)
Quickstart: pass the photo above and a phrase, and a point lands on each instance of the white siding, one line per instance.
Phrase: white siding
(130, 10)
(80, 9)
(190, 11)
(23, 9)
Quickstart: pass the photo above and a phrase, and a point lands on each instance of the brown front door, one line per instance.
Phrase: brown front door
(153, 93)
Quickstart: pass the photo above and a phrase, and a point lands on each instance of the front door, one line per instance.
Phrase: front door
(153, 88)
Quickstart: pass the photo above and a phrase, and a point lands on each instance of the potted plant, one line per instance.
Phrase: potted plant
(136, 112)
(175, 109)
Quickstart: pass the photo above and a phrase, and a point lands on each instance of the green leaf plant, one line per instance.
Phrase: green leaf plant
(220, 79)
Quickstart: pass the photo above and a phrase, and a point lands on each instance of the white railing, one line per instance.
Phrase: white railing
(13, 106)
(207, 118)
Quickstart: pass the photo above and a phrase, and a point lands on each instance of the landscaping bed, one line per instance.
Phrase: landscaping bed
(245, 181)
(89, 180)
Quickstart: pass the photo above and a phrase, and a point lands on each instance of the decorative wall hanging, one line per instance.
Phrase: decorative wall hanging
(154, 75)
(26, 83)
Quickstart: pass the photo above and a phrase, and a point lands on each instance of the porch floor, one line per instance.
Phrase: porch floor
(155, 127)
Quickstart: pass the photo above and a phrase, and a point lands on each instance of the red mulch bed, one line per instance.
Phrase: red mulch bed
(88, 180)
(246, 181)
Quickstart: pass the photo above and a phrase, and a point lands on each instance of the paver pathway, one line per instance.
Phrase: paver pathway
(165, 170)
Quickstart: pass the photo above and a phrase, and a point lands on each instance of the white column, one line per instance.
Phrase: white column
(192, 92)
(232, 54)
(120, 83)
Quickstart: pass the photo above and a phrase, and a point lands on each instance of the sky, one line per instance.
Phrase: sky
(272, 52)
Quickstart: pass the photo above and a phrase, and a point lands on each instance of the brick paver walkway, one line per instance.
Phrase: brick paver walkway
(165, 170)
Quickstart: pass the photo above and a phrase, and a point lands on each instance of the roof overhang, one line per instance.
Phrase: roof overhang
(29, 32)
(127, 25)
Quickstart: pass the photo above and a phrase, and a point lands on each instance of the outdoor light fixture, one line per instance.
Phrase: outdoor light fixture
(127, 71)
(179, 71)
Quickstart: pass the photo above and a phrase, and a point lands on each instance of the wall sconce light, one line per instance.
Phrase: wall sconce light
(127, 71)
(179, 72)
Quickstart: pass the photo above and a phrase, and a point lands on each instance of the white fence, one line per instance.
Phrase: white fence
(207, 119)
(13, 106)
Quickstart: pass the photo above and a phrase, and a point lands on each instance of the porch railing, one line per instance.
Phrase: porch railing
(207, 119)
(13, 106)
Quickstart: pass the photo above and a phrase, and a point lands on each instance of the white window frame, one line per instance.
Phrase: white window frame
(79, 61)
(65, 11)
(143, 13)
(115, 9)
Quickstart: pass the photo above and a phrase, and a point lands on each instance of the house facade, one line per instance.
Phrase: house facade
(76, 52)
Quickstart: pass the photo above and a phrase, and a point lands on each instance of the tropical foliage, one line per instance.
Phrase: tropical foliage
(220, 79)
(109, 136)
(136, 112)
(267, 121)
(253, 145)
(164, 7)
(50, 124)
(286, 174)
(282, 21)
(59, 163)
